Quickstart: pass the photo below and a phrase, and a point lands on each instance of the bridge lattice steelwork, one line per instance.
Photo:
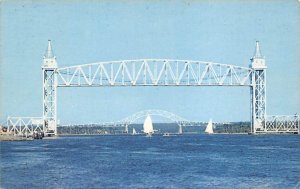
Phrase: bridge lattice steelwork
(154, 72)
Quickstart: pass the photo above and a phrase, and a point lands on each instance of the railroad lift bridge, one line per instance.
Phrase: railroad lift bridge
(155, 72)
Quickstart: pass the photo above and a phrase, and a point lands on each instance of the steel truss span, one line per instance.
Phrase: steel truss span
(282, 123)
(154, 72)
(25, 125)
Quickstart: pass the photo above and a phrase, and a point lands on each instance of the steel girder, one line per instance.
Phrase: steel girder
(154, 72)
(25, 125)
(282, 123)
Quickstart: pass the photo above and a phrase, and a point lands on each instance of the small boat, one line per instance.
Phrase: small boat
(166, 134)
(148, 127)
(209, 127)
(38, 135)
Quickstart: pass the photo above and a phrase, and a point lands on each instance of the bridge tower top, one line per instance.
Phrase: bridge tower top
(258, 61)
(49, 60)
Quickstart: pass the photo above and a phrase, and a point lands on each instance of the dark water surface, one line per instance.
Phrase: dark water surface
(186, 161)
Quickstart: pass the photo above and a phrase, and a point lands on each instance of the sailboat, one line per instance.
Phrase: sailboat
(209, 127)
(148, 127)
(134, 131)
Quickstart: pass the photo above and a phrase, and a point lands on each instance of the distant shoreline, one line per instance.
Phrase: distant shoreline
(154, 134)
(13, 138)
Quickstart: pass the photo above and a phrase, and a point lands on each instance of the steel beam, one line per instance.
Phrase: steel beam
(154, 72)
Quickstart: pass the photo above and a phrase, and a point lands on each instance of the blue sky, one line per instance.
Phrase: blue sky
(85, 32)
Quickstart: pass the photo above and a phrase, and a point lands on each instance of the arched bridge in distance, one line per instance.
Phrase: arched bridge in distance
(126, 122)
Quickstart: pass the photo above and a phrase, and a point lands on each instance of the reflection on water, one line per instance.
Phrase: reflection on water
(186, 161)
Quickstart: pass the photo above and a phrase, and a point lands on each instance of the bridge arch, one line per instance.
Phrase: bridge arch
(169, 115)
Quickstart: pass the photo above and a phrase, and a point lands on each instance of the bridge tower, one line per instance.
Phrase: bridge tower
(49, 91)
(258, 90)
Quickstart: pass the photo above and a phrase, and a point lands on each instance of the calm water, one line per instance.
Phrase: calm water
(187, 161)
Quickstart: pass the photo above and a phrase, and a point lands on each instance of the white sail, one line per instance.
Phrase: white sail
(148, 127)
(209, 127)
(134, 131)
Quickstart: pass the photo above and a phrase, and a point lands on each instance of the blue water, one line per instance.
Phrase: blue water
(187, 161)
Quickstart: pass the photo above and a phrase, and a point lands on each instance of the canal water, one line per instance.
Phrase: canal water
(186, 161)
